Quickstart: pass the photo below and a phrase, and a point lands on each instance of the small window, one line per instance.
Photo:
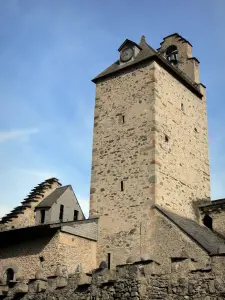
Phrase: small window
(166, 139)
(109, 260)
(9, 275)
(196, 130)
(42, 216)
(182, 106)
(121, 118)
(41, 258)
(122, 186)
(61, 213)
(75, 215)
(208, 222)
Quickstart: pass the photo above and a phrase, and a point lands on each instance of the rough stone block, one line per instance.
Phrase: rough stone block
(181, 264)
(109, 275)
(40, 275)
(52, 283)
(132, 259)
(36, 286)
(3, 289)
(41, 286)
(61, 282)
(152, 268)
(21, 288)
(84, 280)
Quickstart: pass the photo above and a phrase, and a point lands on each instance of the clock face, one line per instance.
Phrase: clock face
(126, 54)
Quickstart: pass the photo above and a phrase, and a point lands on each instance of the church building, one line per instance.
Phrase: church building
(150, 176)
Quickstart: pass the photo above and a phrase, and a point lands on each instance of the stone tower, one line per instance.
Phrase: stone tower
(150, 144)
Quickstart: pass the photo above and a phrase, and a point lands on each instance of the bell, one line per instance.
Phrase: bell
(173, 58)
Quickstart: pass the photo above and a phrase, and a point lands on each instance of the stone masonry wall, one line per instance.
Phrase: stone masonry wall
(137, 281)
(170, 241)
(75, 250)
(182, 177)
(24, 258)
(59, 248)
(122, 152)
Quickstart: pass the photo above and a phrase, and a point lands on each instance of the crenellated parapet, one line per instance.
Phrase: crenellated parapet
(140, 278)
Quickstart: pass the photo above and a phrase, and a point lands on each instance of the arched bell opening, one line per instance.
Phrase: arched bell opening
(172, 54)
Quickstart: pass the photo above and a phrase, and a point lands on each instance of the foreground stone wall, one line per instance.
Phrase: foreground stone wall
(46, 253)
(24, 258)
(137, 281)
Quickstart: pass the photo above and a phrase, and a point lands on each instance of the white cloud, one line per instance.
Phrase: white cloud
(16, 134)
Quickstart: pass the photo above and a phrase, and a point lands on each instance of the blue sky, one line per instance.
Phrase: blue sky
(50, 51)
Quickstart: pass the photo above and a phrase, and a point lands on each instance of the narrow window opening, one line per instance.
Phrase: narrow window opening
(196, 130)
(75, 215)
(61, 213)
(9, 275)
(182, 106)
(208, 222)
(42, 216)
(109, 260)
(166, 139)
(123, 119)
(122, 186)
(41, 258)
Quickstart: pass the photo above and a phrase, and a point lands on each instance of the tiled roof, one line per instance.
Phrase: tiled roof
(205, 237)
(147, 53)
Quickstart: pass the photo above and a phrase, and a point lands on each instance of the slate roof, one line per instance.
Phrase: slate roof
(130, 42)
(77, 228)
(148, 53)
(220, 203)
(205, 237)
(53, 197)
